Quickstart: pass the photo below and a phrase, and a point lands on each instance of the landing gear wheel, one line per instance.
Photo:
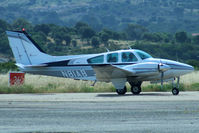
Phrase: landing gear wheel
(121, 91)
(136, 90)
(175, 91)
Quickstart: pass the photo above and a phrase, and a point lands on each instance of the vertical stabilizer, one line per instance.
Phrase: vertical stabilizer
(25, 50)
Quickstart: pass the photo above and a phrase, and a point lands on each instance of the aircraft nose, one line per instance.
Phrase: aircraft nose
(179, 68)
(188, 67)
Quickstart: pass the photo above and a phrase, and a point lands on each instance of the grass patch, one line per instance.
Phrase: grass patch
(17, 89)
(165, 88)
(195, 87)
(45, 84)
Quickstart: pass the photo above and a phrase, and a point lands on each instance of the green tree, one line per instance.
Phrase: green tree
(67, 38)
(21, 23)
(196, 40)
(112, 34)
(4, 46)
(3, 26)
(87, 33)
(8, 66)
(42, 27)
(154, 37)
(74, 43)
(104, 37)
(40, 38)
(194, 63)
(181, 37)
(148, 37)
(135, 31)
(95, 41)
(116, 36)
(58, 36)
(79, 25)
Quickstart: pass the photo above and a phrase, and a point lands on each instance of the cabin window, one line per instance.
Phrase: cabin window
(113, 57)
(128, 57)
(143, 55)
(96, 60)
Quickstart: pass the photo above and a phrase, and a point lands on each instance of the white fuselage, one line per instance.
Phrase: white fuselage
(79, 68)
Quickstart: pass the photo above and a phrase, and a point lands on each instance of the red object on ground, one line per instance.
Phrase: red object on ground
(16, 78)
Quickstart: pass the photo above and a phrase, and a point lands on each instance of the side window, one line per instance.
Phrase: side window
(128, 57)
(113, 57)
(96, 60)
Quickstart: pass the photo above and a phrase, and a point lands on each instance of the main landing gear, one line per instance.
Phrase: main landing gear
(121, 91)
(136, 87)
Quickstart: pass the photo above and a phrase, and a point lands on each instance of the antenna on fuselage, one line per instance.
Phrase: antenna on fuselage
(177, 57)
(107, 49)
(129, 47)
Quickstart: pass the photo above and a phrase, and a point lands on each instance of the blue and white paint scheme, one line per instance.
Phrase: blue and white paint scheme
(133, 66)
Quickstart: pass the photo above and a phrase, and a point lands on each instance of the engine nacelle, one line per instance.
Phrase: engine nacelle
(163, 67)
(146, 68)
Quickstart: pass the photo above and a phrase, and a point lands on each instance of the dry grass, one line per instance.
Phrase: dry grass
(47, 84)
(191, 78)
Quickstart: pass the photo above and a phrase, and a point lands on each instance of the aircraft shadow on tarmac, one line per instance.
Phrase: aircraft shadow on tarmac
(145, 94)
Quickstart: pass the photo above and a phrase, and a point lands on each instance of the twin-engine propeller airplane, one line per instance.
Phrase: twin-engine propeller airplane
(133, 66)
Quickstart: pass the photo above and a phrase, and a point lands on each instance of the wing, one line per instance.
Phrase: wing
(108, 72)
(141, 70)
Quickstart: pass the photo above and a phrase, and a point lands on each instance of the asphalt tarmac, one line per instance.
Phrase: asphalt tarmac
(150, 112)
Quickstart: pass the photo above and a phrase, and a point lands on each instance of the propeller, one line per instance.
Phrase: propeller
(162, 77)
(162, 68)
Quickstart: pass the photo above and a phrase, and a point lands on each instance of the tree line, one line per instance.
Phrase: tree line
(82, 39)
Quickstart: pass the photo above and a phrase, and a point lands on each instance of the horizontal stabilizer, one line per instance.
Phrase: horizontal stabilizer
(31, 66)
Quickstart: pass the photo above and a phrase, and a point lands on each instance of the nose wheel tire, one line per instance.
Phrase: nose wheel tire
(121, 91)
(136, 90)
(175, 91)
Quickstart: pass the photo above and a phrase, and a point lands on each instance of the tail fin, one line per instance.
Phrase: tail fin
(26, 51)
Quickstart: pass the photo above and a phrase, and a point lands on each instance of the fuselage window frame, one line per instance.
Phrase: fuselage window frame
(128, 57)
(112, 57)
(96, 60)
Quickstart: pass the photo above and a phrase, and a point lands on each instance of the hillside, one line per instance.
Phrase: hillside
(155, 15)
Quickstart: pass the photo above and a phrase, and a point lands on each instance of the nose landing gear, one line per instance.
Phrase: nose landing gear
(175, 90)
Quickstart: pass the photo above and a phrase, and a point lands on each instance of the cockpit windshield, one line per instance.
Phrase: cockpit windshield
(143, 55)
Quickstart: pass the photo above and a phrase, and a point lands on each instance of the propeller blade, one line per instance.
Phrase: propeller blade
(163, 68)
(162, 76)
